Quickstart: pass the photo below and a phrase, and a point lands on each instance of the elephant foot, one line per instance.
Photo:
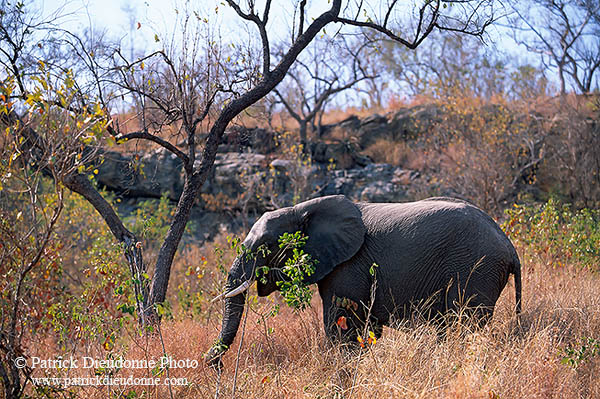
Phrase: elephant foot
(213, 358)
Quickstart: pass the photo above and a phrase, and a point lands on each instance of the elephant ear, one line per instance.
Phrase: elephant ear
(335, 232)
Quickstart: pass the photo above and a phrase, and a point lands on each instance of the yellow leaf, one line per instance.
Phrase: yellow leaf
(360, 341)
(109, 343)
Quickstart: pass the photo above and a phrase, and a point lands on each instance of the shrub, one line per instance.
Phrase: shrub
(484, 151)
(556, 234)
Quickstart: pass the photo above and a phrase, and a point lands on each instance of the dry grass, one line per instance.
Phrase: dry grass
(503, 360)
(399, 153)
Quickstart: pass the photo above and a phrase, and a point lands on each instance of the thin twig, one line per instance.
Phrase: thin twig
(218, 389)
(162, 343)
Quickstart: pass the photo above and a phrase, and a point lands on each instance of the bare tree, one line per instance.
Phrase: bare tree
(566, 36)
(197, 83)
(329, 67)
(449, 64)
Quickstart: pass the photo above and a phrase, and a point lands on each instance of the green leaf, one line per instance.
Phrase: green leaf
(373, 268)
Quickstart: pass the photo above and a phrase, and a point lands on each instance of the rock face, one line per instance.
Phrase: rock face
(406, 123)
(160, 172)
(248, 177)
(344, 155)
(373, 183)
(236, 175)
(149, 176)
(232, 172)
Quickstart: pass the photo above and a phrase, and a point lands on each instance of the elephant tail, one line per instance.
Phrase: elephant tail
(517, 273)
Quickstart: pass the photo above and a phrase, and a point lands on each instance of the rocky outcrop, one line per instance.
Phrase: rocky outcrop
(152, 175)
(373, 183)
(239, 176)
(247, 161)
(406, 123)
(242, 139)
(160, 172)
(250, 176)
(232, 174)
(344, 155)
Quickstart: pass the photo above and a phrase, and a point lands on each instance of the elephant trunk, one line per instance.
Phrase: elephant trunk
(239, 277)
(234, 308)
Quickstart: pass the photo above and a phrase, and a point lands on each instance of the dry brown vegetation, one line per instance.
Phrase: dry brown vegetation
(553, 352)
(561, 308)
(503, 360)
(500, 141)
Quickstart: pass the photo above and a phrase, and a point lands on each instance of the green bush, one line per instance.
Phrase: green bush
(555, 233)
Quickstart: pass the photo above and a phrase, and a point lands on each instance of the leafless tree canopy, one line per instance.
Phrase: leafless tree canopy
(566, 35)
(327, 68)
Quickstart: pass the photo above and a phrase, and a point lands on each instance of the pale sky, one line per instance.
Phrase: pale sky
(159, 16)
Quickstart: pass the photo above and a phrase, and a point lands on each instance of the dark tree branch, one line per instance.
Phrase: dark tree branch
(302, 11)
(288, 107)
(262, 29)
(389, 12)
(155, 139)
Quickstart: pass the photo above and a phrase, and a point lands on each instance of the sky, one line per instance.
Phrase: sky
(159, 15)
(137, 21)
(155, 16)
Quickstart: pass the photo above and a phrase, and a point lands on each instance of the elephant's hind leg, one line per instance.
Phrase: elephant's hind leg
(474, 308)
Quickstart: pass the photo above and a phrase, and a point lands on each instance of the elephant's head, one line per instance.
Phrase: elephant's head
(335, 233)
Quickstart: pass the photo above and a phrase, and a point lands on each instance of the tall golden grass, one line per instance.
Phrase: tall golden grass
(505, 359)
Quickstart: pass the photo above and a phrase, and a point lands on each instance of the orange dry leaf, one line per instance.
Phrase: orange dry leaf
(342, 323)
(360, 341)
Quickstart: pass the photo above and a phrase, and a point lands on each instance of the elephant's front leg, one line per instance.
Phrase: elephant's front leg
(345, 320)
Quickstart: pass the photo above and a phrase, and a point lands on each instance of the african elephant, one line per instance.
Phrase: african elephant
(439, 251)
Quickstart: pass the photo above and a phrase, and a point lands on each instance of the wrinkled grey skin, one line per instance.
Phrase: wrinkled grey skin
(436, 255)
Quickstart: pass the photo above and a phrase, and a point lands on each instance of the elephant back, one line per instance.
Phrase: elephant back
(437, 245)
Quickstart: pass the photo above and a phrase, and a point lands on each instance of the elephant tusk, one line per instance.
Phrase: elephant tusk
(243, 287)
(215, 299)
(238, 290)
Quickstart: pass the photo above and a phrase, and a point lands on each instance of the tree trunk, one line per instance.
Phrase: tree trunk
(167, 250)
(303, 138)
